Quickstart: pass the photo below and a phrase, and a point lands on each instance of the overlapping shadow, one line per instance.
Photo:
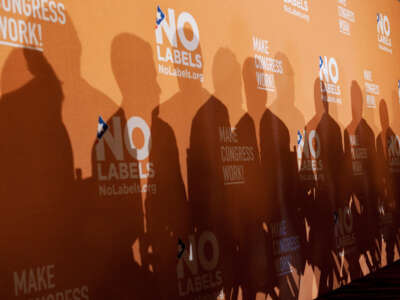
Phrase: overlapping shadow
(359, 234)
(108, 213)
(253, 250)
(320, 173)
(82, 106)
(244, 240)
(41, 94)
(195, 118)
(388, 158)
(37, 181)
(167, 209)
(284, 212)
(208, 177)
(138, 236)
(396, 127)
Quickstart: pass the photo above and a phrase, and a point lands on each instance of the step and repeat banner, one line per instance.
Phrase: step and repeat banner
(202, 150)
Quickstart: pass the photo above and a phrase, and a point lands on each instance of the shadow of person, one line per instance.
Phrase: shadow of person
(83, 103)
(121, 169)
(167, 210)
(284, 107)
(186, 101)
(396, 128)
(388, 157)
(243, 239)
(359, 190)
(38, 177)
(321, 154)
(228, 89)
(165, 205)
(396, 109)
(82, 106)
(256, 260)
(279, 167)
(209, 178)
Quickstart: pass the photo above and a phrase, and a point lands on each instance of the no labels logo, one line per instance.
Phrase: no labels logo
(312, 145)
(329, 74)
(383, 32)
(394, 146)
(202, 264)
(171, 30)
(115, 142)
(398, 88)
(328, 69)
(183, 29)
(120, 167)
(383, 25)
(345, 223)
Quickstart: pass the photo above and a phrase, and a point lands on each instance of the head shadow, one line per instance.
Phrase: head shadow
(256, 98)
(134, 70)
(226, 72)
(356, 101)
(284, 81)
(63, 49)
(384, 115)
(320, 98)
(284, 104)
